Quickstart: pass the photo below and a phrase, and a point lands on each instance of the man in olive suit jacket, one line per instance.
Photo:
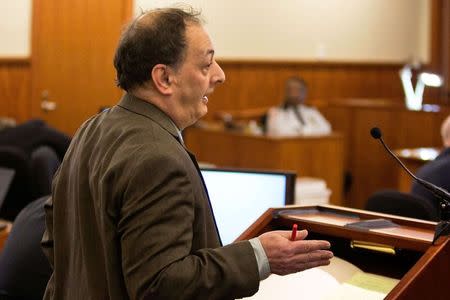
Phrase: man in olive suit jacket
(130, 216)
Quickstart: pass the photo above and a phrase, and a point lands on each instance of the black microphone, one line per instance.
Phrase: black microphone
(443, 227)
(439, 192)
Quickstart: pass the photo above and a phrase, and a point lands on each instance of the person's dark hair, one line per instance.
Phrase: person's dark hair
(156, 37)
(293, 79)
(299, 80)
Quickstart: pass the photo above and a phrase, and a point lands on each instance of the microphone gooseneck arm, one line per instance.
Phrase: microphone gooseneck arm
(443, 227)
(442, 194)
(398, 160)
(437, 191)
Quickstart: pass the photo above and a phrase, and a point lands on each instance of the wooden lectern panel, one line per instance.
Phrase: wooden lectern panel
(422, 268)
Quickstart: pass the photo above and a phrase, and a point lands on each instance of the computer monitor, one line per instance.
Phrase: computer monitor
(239, 197)
(6, 178)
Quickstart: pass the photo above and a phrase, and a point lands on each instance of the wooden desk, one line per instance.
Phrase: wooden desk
(413, 159)
(421, 267)
(308, 156)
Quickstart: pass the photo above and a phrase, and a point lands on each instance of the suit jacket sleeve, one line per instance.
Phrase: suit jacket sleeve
(156, 233)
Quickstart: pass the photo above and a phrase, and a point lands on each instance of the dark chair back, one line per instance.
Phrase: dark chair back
(24, 269)
(33, 177)
(43, 164)
(402, 204)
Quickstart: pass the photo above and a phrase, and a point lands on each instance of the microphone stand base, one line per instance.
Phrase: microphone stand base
(442, 228)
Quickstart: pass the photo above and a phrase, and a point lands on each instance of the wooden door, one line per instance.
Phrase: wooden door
(73, 46)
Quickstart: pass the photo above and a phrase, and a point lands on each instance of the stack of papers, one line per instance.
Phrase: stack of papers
(339, 280)
(311, 191)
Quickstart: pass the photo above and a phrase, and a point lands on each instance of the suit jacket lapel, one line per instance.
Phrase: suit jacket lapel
(194, 160)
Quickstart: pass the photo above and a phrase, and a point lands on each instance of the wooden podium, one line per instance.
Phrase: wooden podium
(423, 268)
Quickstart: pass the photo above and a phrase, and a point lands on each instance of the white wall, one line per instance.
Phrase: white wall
(333, 30)
(15, 28)
(424, 28)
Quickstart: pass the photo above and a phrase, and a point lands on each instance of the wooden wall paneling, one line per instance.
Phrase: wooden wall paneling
(365, 158)
(415, 129)
(252, 84)
(72, 53)
(341, 75)
(249, 83)
(320, 82)
(15, 87)
(354, 83)
(371, 167)
(4, 91)
(368, 173)
(341, 120)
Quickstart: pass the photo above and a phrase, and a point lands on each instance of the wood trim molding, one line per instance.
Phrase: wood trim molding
(15, 60)
(318, 63)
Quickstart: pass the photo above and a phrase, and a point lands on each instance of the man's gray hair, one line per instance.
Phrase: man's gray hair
(445, 132)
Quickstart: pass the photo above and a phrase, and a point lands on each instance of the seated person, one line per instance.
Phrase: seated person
(32, 134)
(24, 269)
(438, 170)
(293, 117)
(33, 150)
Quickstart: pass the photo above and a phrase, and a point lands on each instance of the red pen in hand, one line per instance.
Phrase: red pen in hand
(294, 232)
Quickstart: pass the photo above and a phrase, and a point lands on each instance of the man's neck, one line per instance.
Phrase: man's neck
(151, 97)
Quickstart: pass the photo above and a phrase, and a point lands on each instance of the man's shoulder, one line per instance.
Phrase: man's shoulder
(119, 135)
(437, 167)
(118, 122)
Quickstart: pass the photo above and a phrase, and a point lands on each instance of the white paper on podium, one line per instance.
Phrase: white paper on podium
(338, 280)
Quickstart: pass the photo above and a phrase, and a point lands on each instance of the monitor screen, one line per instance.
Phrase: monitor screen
(240, 197)
(6, 178)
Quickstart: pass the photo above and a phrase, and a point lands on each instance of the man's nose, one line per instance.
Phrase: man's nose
(219, 75)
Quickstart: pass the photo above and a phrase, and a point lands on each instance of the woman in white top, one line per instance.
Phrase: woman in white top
(294, 118)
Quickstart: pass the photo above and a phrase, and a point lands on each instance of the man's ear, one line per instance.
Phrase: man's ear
(161, 76)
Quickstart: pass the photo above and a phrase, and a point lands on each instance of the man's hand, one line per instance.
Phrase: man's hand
(286, 256)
